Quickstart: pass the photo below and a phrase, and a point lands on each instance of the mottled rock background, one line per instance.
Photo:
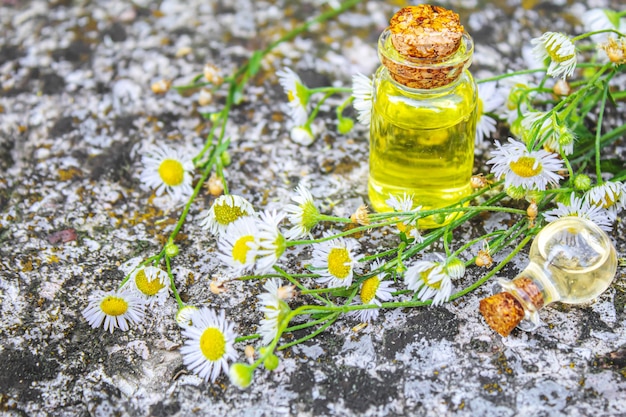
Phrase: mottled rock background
(77, 113)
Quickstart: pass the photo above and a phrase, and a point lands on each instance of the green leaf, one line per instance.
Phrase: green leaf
(254, 64)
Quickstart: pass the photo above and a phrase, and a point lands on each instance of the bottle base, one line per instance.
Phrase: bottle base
(428, 199)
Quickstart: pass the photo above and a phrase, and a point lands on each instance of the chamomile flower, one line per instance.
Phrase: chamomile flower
(430, 279)
(489, 100)
(302, 135)
(225, 210)
(274, 310)
(303, 215)
(454, 268)
(239, 245)
(167, 170)
(116, 309)
(561, 51)
(403, 204)
(531, 170)
(615, 50)
(297, 93)
(334, 260)
(373, 290)
(150, 283)
(610, 195)
(362, 91)
(579, 207)
(272, 243)
(183, 316)
(209, 344)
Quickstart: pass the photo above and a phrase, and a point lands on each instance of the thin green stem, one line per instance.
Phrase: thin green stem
(295, 282)
(599, 132)
(173, 283)
(494, 270)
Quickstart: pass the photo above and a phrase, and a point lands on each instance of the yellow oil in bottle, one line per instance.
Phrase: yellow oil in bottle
(422, 144)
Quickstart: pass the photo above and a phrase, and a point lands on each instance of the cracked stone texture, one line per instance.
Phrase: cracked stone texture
(76, 114)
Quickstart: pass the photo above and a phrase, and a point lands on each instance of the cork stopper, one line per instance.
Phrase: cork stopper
(502, 312)
(425, 31)
(425, 47)
(529, 291)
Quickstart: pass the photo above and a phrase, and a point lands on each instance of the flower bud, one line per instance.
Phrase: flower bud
(582, 182)
(345, 125)
(241, 374)
(271, 362)
(161, 87)
(171, 249)
(516, 193)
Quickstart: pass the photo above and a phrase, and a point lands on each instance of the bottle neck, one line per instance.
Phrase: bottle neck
(422, 73)
(531, 297)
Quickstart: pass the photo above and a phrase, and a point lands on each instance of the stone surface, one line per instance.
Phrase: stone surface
(76, 114)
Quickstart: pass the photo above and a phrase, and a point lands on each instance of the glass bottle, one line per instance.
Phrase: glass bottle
(572, 261)
(423, 123)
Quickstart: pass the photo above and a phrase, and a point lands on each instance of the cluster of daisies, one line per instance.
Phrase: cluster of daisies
(144, 288)
(253, 243)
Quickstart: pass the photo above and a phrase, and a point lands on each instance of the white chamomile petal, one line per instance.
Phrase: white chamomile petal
(580, 207)
(362, 91)
(531, 170)
(114, 309)
(429, 280)
(225, 210)
(150, 283)
(334, 261)
(167, 170)
(239, 245)
(209, 344)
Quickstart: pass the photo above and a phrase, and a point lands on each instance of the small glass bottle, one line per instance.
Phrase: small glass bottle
(572, 261)
(423, 122)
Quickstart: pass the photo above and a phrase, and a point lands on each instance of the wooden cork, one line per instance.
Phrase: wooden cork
(425, 31)
(425, 37)
(530, 291)
(502, 312)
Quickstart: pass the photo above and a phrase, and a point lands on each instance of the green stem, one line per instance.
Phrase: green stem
(599, 132)
(493, 271)
(330, 90)
(173, 284)
(301, 287)
(311, 335)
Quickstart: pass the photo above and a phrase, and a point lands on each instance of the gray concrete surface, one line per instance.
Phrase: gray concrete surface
(76, 113)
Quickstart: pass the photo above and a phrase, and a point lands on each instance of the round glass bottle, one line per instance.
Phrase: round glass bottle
(423, 122)
(572, 261)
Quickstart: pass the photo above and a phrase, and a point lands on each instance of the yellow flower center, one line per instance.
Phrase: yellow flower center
(339, 262)
(290, 95)
(554, 51)
(226, 214)
(145, 286)
(425, 277)
(610, 198)
(526, 167)
(479, 107)
(171, 172)
(368, 289)
(114, 306)
(241, 248)
(213, 344)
